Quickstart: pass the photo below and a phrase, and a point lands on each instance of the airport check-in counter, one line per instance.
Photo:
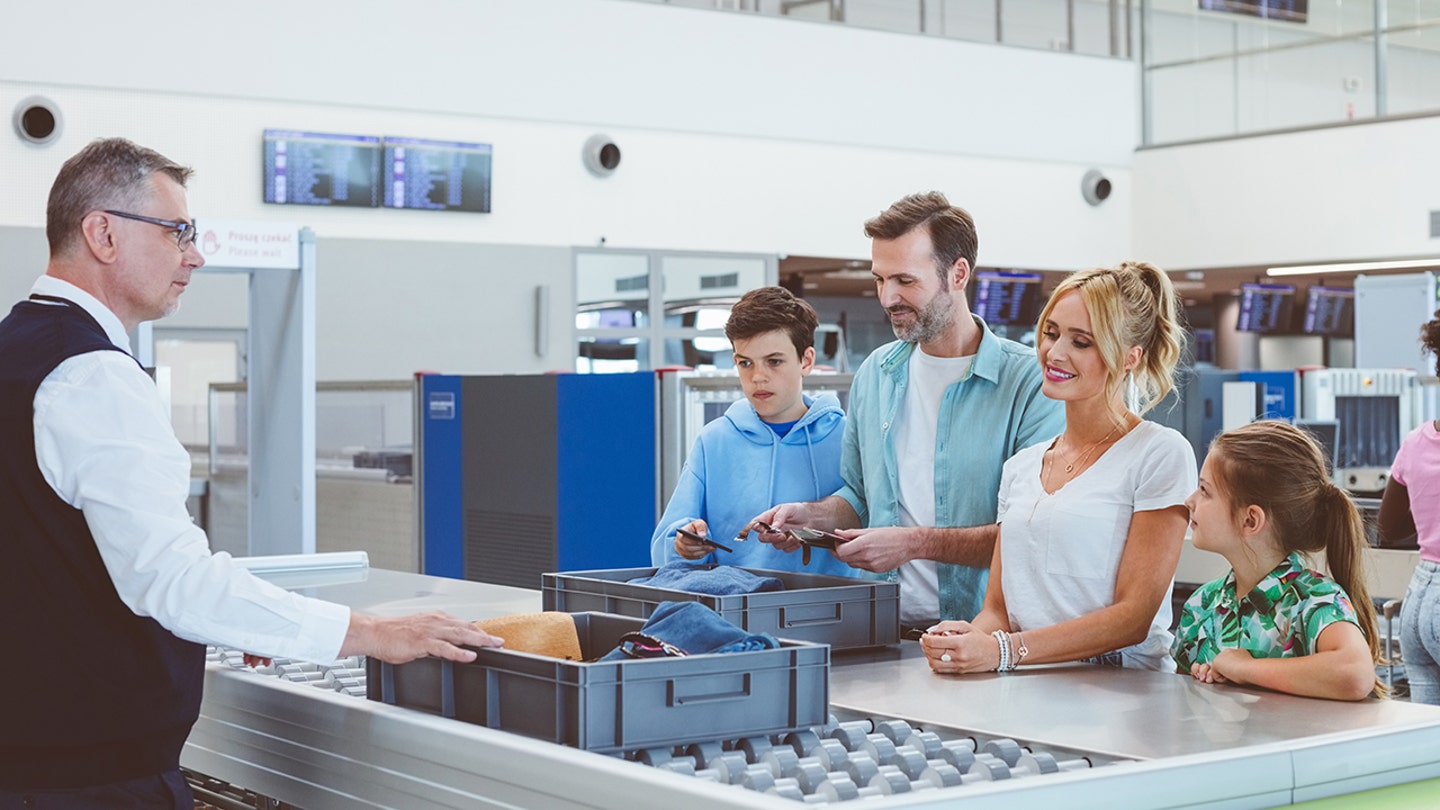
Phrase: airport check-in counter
(1158, 740)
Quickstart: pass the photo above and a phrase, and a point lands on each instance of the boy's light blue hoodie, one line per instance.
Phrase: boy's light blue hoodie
(738, 468)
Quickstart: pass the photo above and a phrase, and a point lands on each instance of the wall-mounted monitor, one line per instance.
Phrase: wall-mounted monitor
(437, 175)
(315, 168)
(1330, 311)
(1003, 298)
(1266, 307)
(1287, 10)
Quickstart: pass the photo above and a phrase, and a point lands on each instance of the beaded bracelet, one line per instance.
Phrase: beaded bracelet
(1003, 640)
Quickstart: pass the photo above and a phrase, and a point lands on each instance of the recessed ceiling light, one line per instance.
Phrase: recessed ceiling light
(1351, 267)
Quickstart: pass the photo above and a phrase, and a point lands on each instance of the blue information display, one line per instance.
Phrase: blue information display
(1288, 10)
(1330, 311)
(437, 175)
(313, 168)
(1003, 298)
(1265, 307)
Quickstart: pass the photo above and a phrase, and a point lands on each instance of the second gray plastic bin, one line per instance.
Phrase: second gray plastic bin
(843, 612)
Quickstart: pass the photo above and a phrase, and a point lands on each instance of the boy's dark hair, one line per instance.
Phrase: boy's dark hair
(770, 309)
(952, 231)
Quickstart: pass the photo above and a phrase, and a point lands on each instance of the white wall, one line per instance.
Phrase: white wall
(739, 132)
(603, 62)
(673, 190)
(22, 257)
(386, 309)
(1345, 193)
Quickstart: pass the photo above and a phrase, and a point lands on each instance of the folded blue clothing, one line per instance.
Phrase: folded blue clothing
(713, 580)
(696, 629)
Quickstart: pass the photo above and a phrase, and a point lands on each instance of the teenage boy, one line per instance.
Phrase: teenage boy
(774, 446)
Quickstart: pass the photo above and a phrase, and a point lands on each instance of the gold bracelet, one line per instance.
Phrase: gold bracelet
(1020, 649)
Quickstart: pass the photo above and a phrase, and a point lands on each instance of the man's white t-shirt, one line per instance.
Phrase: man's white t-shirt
(915, 433)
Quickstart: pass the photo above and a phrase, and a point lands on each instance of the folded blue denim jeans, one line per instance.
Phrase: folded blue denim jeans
(697, 629)
(713, 580)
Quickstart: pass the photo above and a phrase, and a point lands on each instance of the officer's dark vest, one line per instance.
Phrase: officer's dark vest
(90, 693)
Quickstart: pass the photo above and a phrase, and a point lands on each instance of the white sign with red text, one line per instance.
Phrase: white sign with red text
(237, 243)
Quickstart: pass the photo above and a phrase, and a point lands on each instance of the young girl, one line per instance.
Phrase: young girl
(1091, 523)
(1265, 497)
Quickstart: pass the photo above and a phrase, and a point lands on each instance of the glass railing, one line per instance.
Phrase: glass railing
(1093, 27)
(1210, 68)
(1212, 74)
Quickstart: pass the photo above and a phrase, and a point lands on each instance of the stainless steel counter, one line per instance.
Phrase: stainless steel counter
(1122, 713)
(395, 593)
(1178, 743)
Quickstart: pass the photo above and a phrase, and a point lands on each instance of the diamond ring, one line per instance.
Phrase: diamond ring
(945, 658)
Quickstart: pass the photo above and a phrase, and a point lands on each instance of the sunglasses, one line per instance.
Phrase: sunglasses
(640, 645)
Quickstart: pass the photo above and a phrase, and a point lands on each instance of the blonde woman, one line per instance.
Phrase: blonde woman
(1092, 522)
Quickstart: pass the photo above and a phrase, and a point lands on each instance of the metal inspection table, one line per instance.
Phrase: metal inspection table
(1159, 740)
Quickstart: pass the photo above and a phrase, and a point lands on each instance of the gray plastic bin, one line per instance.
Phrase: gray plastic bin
(613, 706)
(843, 612)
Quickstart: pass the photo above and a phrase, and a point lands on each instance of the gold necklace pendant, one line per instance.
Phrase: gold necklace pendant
(1070, 467)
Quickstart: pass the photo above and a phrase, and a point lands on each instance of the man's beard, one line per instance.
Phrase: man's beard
(930, 322)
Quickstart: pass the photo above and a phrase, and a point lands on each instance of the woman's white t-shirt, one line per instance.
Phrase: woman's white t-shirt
(1060, 553)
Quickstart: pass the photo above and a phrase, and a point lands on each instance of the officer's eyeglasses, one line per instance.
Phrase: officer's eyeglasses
(185, 232)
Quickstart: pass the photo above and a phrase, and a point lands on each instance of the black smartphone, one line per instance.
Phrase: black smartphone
(699, 538)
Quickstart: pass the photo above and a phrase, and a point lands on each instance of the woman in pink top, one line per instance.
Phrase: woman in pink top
(1412, 506)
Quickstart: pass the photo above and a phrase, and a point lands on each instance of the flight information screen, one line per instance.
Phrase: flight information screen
(314, 168)
(1330, 311)
(438, 175)
(1265, 307)
(1003, 298)
(1288, 10)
